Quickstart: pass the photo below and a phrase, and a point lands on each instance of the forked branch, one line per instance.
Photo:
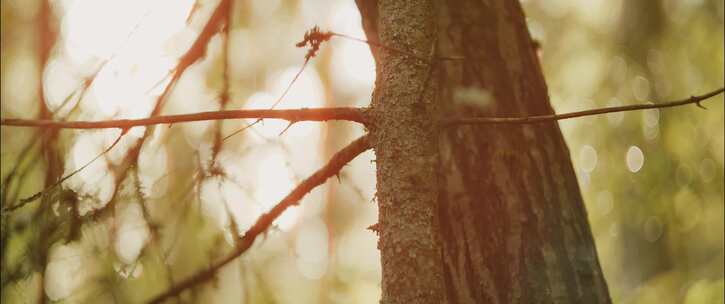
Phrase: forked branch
(332, 168)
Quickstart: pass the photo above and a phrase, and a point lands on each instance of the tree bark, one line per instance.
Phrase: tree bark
(510, 222)
(405, 141)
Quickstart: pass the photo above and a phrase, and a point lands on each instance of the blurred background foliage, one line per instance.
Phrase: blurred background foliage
(137, 220)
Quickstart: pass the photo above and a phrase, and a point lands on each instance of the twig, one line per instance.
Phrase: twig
(37, 195)
(295, 115)
(265, 221)
(195, 52)
(192, 55)
(552, 117)
(43, 134)
(225, 93)
(392, 49)
(24, 153)
(240, 130)
(289, 86)
(314, 38)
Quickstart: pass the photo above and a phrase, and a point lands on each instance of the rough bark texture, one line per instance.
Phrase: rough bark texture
(512, 221)
(405, 143)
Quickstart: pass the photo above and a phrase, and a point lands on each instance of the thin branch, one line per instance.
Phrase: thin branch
(293, 115)
(265, 221)
(40, 136)
(286, 90)
(191, 56)
(37, 195)
(195, 52)
(395, 50)
(24, 153)
(335, 113)
(289, 86)
(240, 130)
(225, 92)
(312, 37)
(553, 117)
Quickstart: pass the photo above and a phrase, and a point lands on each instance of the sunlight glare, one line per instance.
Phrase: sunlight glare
(64, 272)
(272, 184)
(273, 179)
(353, 67)
(357, 252)
(241, 205)
(94, 29)
(152, 167)
(59, 82)
(132, 38)
(133, 232)
(268, 128)
(95, 180)
(635, 159)
(306, 92)
(588, 158)
(311, 248)
(20, 87)
(118, 93)
(212, 205)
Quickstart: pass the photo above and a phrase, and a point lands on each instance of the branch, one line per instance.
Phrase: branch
(39, 194)
(263, 222)
(292, 115)
(552, 117)
(196, 51)
(312, 37)
(394, 50)
(192, 55)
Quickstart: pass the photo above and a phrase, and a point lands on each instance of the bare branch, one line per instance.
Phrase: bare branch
(192, 55)
(335, 113)
(312, 37)
(37, 195)
(263, 222)
(195, 52)
(394, 50)
(553, 117)
(292, 115)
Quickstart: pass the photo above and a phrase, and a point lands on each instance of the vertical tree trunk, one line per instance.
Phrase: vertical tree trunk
(405, 141)
(511, 223)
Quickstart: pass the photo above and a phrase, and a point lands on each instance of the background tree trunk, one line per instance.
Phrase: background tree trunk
(513, 228)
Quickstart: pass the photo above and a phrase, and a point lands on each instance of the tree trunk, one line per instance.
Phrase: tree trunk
(405, 141)
(510, 224)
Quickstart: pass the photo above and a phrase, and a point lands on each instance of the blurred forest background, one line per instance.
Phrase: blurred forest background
(652, 180)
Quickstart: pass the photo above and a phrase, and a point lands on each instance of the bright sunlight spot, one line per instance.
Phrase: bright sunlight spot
(635, 159)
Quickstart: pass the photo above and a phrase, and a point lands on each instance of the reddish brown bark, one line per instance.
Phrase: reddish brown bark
(513, 228)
